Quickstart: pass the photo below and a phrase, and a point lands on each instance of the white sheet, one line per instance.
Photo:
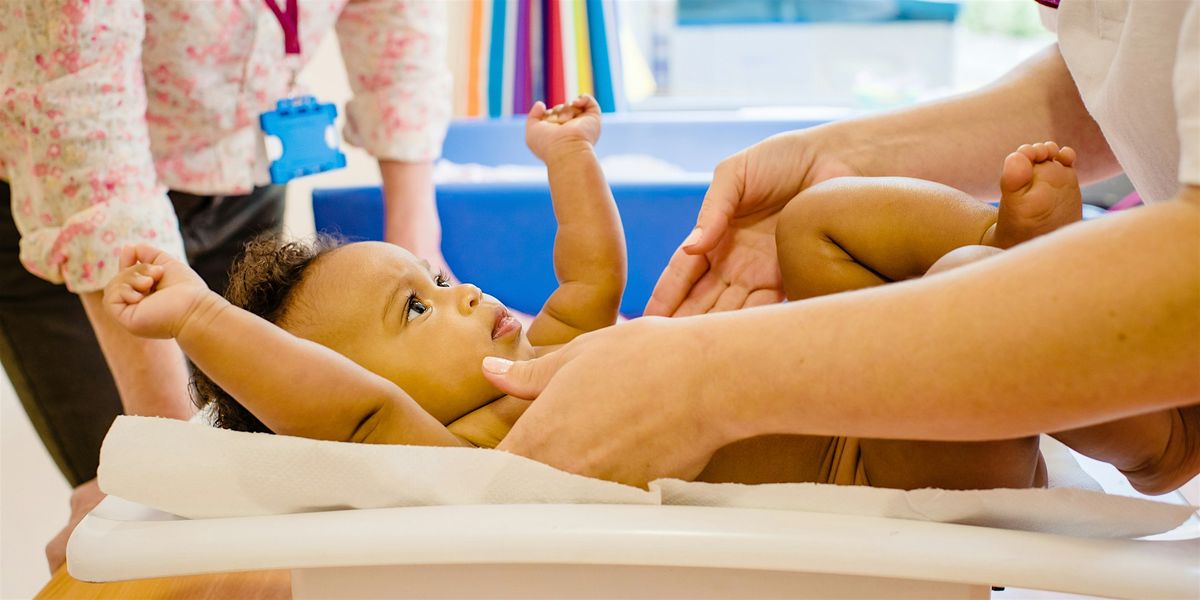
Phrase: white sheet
(197, 471)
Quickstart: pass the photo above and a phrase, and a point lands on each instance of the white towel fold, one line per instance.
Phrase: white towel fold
(197, 471)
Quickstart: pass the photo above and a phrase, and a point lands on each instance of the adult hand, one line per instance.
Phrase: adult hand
(729, 261)
(83, 500)
(603, 411)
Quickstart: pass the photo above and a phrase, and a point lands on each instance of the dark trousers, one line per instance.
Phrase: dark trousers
(46, 341)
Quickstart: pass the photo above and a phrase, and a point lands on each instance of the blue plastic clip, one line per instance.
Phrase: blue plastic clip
(302, 126)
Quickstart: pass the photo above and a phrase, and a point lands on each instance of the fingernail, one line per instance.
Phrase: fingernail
(693, 237)
(496, 365)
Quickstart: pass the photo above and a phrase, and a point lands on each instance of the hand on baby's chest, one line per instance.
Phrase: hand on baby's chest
(488, 424)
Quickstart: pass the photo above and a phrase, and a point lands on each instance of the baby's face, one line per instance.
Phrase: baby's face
(380, 306)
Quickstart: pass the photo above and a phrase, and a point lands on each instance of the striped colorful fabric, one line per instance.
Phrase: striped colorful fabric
(521, 51)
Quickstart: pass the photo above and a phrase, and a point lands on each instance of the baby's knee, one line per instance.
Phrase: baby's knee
(805, 220)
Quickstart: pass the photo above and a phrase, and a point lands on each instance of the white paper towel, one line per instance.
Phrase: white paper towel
(197, 471)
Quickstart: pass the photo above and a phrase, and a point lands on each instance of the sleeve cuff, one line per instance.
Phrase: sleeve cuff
(405, 125)
(84, 251)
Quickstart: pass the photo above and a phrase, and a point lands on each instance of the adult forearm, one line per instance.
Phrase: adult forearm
(962, 141)
(408, 199)
(1094, 323)
(151, 375)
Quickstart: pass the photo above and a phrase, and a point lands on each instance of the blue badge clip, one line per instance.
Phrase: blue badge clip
(304, 129)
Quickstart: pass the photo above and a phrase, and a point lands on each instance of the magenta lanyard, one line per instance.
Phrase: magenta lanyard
(290, 21)
(1051, 3)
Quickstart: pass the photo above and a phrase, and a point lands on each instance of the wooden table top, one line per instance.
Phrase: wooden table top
(269, 585)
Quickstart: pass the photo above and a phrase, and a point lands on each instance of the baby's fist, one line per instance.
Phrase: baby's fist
(153, 294)
(562, 126)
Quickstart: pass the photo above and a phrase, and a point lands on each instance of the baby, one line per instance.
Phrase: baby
(364, 343)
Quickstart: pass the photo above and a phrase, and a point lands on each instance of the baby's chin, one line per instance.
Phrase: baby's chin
(524, 348)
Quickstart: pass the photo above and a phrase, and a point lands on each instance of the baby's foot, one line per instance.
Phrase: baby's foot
(1038, 194)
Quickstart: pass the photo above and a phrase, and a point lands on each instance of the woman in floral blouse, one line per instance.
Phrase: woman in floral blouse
(130, 121)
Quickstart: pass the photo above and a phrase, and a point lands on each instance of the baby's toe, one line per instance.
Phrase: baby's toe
(1017, 171)
(1066, 156)
(1050, 149)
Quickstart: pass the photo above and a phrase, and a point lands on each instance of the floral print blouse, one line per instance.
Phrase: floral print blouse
(106, 104)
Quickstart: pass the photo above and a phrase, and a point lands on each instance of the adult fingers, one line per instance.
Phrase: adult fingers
(682, 272)
(703, 296)
(762, 298)
(733, 298)
(719, 206)
(524, 378)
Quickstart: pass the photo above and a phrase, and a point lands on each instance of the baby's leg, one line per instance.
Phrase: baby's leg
(854, 232)
(1158, 452)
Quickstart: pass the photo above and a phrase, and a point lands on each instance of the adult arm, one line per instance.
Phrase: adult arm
(409, 209)
(395, 56)
(82, 177)
(730, 262)
(1093, 324)
(962, 141)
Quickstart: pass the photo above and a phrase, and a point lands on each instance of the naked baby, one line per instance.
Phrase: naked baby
(364, 343)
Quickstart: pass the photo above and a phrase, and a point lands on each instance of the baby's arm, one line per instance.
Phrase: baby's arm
(294, 386)
(852, 233)
(589, 248)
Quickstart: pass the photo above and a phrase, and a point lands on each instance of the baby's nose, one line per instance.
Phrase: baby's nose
(468, 298)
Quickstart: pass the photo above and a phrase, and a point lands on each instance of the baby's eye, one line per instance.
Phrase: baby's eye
(441, 279)
(416, 308)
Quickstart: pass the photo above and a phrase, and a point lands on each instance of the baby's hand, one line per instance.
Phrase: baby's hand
(154, 294)
(578, 121)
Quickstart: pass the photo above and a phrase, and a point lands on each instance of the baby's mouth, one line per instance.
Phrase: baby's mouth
(504, 324)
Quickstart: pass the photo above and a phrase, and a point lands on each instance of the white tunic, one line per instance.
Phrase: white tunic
(1137, 66)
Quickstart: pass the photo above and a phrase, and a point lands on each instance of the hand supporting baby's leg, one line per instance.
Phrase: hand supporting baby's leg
(855, 232)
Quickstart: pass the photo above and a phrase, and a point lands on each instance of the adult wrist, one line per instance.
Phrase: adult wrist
(848, 143)
(710, 374)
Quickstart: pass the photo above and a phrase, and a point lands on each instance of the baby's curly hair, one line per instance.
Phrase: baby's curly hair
(261, 281)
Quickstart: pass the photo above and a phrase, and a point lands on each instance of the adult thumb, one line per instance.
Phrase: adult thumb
(524, 378)
(720, 204)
